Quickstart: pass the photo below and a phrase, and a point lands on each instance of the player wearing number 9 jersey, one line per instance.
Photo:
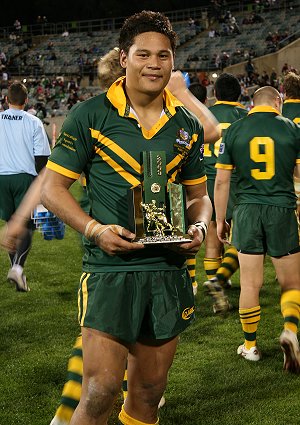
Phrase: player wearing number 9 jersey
(227, 110)
(264, 148)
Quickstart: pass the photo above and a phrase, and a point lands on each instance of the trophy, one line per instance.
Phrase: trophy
(157, 209)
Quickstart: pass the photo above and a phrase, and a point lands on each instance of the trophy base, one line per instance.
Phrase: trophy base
(148, 240)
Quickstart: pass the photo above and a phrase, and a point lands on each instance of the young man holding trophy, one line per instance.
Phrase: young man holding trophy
(141, 152)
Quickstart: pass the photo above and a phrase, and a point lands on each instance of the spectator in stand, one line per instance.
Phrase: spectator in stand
(18, 26)
(269, 37)
(285, 69)
(3, 59)
(191, 23)
(12, 36)
(72, 99)
(224, 59)
(72, 85)
(4, 80)
(211, 33)
(55, 105)
(264, 79)
(273, 79)
(249, 68)
(252, 52)
(31, 110)
(205, 81)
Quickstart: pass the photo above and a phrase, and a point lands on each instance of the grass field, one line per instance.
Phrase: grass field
(208, 383)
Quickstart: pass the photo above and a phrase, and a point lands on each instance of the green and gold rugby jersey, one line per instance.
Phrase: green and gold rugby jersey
(226, 113)
(102, 138)
(291, 110)
(264, 147)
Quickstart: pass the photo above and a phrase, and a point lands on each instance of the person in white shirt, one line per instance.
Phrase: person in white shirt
(24, 151)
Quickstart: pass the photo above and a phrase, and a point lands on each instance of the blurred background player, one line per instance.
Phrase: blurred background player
(200, 92)
(24, 150)
(219, 265)
(264, 148)
(291, 90)
(291, 110)
(194, 98)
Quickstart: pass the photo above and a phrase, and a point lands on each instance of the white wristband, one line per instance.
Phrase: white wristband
(201, 226)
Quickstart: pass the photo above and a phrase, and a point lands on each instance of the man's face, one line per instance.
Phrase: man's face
(149, 63)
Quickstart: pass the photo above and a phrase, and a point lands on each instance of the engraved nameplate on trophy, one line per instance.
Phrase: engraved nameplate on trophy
(157, 209)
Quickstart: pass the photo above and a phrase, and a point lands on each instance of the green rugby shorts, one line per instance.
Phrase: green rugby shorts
(138, 304)
(260, 229)
(13, 189)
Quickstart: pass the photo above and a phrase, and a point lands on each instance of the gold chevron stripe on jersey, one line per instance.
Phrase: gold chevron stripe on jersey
(116, 149)
(117, 168)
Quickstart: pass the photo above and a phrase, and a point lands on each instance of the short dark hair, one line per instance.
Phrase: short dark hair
(227, 87)
(145, 21)
(17, 93)
(291, 85)
(199, 91)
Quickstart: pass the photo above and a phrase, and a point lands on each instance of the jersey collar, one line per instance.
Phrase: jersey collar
(264, 108)
(292, 101)
(226, 102)
(117, 97)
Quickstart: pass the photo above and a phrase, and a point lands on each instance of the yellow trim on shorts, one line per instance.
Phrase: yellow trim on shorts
(84, 295)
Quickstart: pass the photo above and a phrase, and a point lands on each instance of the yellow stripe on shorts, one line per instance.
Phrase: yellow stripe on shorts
(83, 298)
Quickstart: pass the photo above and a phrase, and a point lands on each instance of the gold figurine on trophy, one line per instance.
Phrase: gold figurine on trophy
(157, 209)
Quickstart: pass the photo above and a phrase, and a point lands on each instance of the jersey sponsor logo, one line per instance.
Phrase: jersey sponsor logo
(187, 313)
(221, 148)
(12, 117)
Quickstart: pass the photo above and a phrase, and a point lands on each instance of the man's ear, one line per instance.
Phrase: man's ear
(123, 59)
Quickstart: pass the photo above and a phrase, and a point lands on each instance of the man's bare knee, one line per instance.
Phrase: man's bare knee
(100, 397)
(151, 392)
